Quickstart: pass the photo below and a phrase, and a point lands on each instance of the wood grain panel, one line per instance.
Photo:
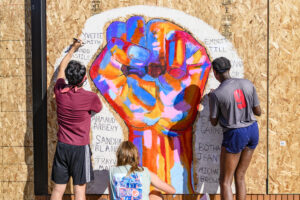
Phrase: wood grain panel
(284, 118)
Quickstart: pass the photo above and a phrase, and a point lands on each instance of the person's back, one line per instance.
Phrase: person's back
(124, 186)
(130, 181)
(74, 113)
(236, 99)
(233, 104)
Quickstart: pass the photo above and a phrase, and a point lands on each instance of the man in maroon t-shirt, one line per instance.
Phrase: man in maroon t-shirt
(74, 107)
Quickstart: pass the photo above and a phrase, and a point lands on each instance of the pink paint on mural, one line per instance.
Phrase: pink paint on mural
(153, 74)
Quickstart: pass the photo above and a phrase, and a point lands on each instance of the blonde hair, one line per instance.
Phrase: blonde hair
(127, 154)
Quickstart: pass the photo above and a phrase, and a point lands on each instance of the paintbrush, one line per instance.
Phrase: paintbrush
(78, 40)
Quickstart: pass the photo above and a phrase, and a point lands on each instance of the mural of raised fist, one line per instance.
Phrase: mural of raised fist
(153, 74)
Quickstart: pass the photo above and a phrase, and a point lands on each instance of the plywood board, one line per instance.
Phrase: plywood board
(15, 67)
(245, 39)
(17, 94)
(18, 190)
(17, 173)
(16, 129)
(15, 22)
(284, 117)
(2, 121)
(16, 118)
(17, 155)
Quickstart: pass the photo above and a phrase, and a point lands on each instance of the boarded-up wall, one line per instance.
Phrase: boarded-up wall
(16, 143)
(242, 22)
(284, 81)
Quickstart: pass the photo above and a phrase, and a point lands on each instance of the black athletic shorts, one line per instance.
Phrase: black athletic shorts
(72, 160)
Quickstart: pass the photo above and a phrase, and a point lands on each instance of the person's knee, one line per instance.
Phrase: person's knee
(80, 192)
(58, 191)
(224, 182)
(59, 188)
(239, 176)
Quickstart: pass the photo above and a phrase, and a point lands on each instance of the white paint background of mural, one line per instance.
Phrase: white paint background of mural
(207, 138)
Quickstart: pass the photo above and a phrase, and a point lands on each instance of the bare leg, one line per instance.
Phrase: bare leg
(155, 195)
(239, 176)
(58, 191)
(228, 164)
(79, 192)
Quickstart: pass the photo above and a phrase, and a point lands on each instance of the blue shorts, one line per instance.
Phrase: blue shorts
(235, 140)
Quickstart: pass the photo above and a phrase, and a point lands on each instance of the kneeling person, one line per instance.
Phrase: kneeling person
(130, 181)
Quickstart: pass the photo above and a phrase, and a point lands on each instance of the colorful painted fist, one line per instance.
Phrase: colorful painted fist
(153, 74)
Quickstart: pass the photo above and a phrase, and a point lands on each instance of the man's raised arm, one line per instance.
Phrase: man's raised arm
(64, 63)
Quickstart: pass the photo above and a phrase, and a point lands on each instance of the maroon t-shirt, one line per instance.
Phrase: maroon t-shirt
(74, 113)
